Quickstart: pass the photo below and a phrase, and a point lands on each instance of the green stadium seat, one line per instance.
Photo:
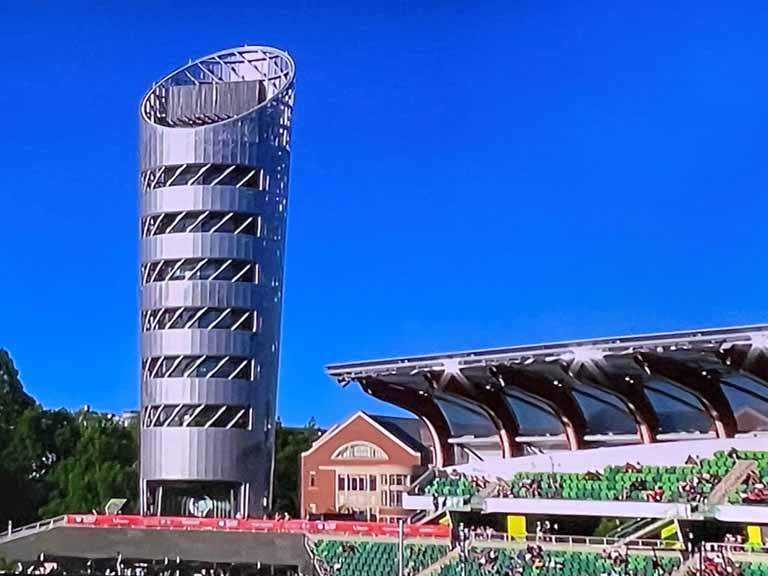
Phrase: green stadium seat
(683, 483)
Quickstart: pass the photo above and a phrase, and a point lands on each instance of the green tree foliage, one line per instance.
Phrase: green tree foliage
(101, 466)
(38, 441)
(289, 444)
(18, 489)
(54, 461)
(13, 400)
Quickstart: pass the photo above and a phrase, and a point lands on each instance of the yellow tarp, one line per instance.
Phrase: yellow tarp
(516, 526)
(670, 532)
(754, 535)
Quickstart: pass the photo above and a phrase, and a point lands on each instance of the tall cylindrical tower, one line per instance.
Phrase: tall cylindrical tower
(215, 150)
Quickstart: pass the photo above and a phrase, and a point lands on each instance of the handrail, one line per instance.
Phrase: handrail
(358, 529)
(35, 527)
(415, 489)
(570, 541)
(361, 530)
(736, 548)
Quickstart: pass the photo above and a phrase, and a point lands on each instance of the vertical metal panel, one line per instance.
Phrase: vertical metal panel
(242, 119)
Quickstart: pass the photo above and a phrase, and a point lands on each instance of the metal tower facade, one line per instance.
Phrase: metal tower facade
(214, 154)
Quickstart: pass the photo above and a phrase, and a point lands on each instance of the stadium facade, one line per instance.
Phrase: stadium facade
(644, 389)
(214, 153)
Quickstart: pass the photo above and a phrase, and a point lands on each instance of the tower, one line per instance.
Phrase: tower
(214, 157)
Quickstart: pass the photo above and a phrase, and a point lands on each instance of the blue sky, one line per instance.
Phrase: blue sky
(464, 174)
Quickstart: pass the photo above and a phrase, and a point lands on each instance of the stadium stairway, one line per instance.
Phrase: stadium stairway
(731, 481)
(642, 529)
(423, 517)
(630, 527)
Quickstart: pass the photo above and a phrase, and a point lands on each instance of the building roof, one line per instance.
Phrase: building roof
(648, 386)
(400, 430)
(410, 431)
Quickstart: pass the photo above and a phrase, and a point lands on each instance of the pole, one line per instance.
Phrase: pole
(465, 544)
(400, 546)
(10, 527)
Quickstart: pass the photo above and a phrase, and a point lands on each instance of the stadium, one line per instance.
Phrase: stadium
(643, 455)
(630, 456)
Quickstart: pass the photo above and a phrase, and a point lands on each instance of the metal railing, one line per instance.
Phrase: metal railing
(416, 488)
(12, 533)
(562, 541)
(738, 548)
(573, 541)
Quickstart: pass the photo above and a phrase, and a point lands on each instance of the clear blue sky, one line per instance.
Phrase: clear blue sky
(464, 174)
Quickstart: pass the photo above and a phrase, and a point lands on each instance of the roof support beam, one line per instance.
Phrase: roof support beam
(629, 391)
(556, 396)
(424, 407)
(752, 361)
(701, 380)
(489, 399)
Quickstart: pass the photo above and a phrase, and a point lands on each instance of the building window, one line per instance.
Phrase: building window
(201, 318)
(397, 479)
(197, 416)
(391, 499)
(313, 508)
(312, 479)
(359, 483)
(395, 499)
(228, 367)
(221, 269)
(360, 451)
(201, 222)
(205, 175)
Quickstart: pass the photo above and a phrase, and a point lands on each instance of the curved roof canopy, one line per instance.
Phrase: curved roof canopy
(645, 388)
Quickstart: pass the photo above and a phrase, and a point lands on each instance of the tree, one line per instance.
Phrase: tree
(13, 400)
(11, 389)
(15, 480)
(56, 462)
(39, 440)
(289, 444)
(53, 461)
(101, 466)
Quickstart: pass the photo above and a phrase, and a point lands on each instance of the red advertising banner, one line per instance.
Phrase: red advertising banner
(253, 525)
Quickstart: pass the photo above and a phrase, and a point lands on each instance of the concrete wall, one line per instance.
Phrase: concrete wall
(202, 546)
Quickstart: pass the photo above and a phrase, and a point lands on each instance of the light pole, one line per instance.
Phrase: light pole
(400, 546)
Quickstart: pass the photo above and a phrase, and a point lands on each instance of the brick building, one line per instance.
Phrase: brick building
(362, 466)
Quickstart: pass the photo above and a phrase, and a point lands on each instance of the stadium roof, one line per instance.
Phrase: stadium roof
(649, 387)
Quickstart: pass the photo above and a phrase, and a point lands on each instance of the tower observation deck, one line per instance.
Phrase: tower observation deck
(214, 156)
